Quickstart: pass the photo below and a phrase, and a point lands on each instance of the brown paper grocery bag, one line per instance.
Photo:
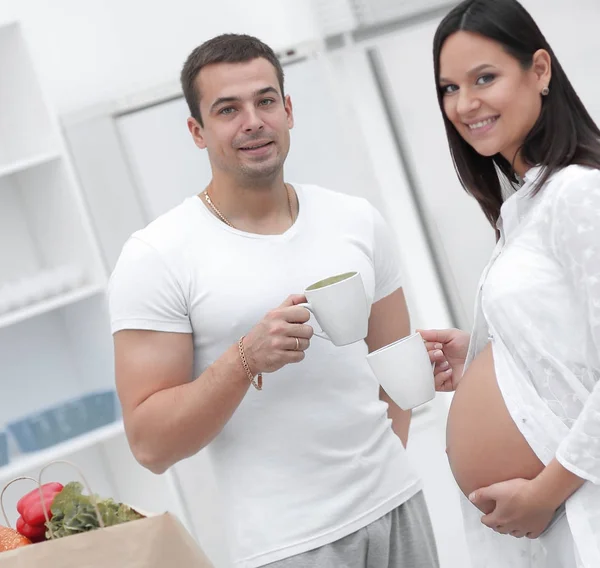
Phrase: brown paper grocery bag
(158, 541)
(154, 541)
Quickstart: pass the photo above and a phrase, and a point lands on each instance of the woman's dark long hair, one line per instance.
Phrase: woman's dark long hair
(564, 133)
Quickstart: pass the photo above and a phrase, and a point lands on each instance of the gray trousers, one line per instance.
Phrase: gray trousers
(401, 539)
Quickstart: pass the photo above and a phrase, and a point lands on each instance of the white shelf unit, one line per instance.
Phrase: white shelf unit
(52, 278)
(55, 341)
(54, 344)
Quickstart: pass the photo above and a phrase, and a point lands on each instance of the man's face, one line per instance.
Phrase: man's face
(246, 121)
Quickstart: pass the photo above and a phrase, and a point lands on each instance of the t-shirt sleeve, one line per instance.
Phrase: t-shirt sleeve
(386, 258)
(143, 292)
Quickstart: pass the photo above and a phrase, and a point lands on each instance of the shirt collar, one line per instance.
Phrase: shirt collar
(513, 201)
(533, 173)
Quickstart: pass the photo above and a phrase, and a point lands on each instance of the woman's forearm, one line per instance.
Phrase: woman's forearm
(555, 484)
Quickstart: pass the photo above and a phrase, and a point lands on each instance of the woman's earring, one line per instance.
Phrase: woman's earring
(545, 91)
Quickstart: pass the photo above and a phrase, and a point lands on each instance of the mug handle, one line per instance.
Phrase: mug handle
(321, 334)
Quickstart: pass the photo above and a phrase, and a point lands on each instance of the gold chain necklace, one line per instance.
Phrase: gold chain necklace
(226, 221)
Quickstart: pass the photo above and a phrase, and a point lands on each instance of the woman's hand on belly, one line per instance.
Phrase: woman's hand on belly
(518, 510)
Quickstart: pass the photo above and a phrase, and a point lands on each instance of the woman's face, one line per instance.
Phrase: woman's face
(489, 98)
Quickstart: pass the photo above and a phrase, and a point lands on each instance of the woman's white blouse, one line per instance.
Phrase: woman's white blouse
(539, 305)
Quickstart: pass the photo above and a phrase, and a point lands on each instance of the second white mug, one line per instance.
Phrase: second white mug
(405, 371)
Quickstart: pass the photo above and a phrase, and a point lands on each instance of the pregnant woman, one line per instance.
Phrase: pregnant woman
(523, 435)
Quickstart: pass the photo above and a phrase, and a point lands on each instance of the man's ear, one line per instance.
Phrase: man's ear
(289, 111)
(197, 132)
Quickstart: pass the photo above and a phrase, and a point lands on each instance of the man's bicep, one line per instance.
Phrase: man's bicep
(389, 320)
(147, 362)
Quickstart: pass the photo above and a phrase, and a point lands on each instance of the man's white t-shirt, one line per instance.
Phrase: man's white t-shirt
(312, 457)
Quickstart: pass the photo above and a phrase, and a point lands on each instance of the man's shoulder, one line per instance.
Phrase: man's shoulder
(170, 229)
(320, 196)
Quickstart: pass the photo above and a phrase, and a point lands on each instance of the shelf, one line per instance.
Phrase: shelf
(7, 24)
(49, 304)
(34, 462)
(33, 161)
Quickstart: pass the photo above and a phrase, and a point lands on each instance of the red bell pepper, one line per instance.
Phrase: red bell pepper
(35, 533)
(30, 506)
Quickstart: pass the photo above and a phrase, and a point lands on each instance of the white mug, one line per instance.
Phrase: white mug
(339, 304)
(405, 371)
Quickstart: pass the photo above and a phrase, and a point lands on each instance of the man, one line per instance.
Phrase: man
(204, 301)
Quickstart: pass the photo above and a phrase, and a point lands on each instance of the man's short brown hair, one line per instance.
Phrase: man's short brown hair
(226, 48)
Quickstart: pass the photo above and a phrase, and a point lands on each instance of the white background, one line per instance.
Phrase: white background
(90, 52)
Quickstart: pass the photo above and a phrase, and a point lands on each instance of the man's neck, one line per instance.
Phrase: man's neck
(262, 208)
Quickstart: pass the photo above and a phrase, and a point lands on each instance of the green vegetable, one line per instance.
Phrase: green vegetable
(73, 512)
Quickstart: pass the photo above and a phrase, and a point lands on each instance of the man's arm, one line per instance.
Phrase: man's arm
(390, 321)
(168, 415)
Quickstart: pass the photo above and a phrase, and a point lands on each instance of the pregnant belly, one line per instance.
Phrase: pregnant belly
(484, 445)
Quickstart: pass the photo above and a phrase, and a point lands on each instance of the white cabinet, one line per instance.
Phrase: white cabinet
(52, 278)
(55, 343)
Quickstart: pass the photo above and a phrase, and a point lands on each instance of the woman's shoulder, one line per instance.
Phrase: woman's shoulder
(575, 183)
(576, 176)
(572, 199)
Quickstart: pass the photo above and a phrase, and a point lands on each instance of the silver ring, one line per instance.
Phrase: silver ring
(297, 344)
